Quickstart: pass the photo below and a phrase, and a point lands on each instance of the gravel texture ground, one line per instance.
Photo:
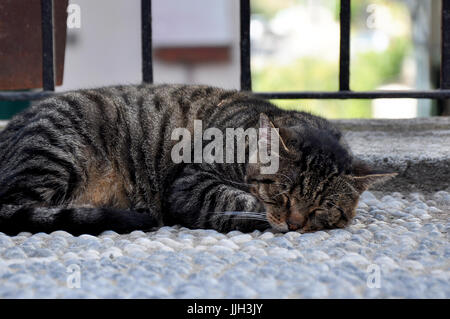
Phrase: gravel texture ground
(396, 247)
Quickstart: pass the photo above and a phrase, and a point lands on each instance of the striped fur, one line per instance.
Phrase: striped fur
(98, 159)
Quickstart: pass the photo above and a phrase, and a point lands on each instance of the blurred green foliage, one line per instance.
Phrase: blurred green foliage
(368, 69)
(309, 74)
(372, 69)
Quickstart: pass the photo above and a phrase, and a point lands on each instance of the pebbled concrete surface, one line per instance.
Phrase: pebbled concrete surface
(396, 247)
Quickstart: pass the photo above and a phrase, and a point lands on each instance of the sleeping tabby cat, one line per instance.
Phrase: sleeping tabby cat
(100, 159)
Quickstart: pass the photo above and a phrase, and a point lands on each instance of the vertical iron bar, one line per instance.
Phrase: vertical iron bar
(146, 33)
(246, 76)
(445, 45)
(344, 55)
(48, 69)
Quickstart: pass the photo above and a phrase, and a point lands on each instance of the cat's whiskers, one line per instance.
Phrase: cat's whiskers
(238, 213)
(284, 175)
(249, 218)
(237, 183)
(243, 215)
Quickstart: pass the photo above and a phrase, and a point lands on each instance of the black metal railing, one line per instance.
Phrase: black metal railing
(146, 22)
(344, 91)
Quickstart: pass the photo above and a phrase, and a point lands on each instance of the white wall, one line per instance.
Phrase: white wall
(107, 49)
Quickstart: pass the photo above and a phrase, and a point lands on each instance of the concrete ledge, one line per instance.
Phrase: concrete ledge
(418, 149)
(395, 125)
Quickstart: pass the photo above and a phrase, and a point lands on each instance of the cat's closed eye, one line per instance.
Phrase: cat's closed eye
(269, 202)
(329, 205)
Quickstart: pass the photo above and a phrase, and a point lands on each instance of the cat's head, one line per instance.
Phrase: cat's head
(318, 183)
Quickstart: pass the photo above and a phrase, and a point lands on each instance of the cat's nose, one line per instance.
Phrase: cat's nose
(293, 226)
(295, 220)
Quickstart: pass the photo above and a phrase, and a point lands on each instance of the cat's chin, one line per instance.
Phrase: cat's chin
(279, 228)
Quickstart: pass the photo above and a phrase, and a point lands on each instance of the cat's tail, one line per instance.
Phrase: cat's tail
(77, 220)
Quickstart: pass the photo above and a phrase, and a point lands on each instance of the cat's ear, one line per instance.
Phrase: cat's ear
(363, 177)
(265, 135)
(359, 168)
(264, 121)
(362, 183)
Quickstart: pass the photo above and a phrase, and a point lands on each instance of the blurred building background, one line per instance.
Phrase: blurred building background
(295, 46)
(195, 41)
